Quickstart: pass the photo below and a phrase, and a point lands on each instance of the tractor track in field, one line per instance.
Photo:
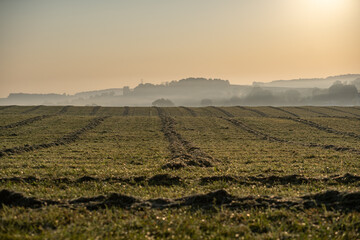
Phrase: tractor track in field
(330, 200)
(323, 128)
(64, 110)
(32, 109)
(285, 111)
(262, 114)
(183, 152)
(192, 112)
(126, 111)
(66, 139)
(169, 180)
(313, 111)
(25, 122)
(206, 109)
(338, 110)
(95, 110)
(5, 107)
(268, 137)
(222, 111)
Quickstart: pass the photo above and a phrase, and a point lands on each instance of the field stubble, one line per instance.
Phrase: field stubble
(183, 172)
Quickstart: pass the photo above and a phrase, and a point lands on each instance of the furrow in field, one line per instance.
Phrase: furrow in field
(95, 110)
(223, 111)
(32, 109)
(262, 114)
(313, 111)
(5, 107)
(69, 138)
(169, 180)
(338, 110)
(64, 110)
(250, 130)
(25, 122)
(192, 112)
(285, 111)
(275, 139)
(126, 111)
(330, 200)
(323, 128)
(183, 152)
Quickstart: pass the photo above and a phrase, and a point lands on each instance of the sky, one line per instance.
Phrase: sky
(68, 46)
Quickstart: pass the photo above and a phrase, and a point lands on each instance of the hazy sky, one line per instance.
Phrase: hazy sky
(74, 45)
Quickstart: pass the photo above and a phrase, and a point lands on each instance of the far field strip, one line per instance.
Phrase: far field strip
(263, 135)
(5, 107)
(64, 110)
(32, 109)
(285, 111)
(192, 112)
(313, 111)
(25, 122)
(324, 128)
(261, 114)
(341, 111)
(226, 113)
(95, 110)
(69, 138)
(183, 152)
(126, 111)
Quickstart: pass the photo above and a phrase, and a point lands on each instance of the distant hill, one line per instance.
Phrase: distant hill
(309, 82)
(335, 90)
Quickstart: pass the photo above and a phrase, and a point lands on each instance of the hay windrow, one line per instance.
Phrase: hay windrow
(226, 113)
(323, 128)
(183, 152)
(64, 110)
(192, 112)
(313, 111)
(95, 110)
(32, 109)
(285, 111)
(25, 122)
(69, 138)
(268, 137)
(170, 180)
(261, 114)
(331, 200)
(126, 111)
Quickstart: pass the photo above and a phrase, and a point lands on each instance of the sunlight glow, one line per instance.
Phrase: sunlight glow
(328, 4)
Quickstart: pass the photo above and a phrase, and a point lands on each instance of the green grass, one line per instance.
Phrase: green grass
(134, 145)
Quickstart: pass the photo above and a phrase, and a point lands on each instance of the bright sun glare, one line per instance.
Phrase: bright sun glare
(327, 3)
(325, 7)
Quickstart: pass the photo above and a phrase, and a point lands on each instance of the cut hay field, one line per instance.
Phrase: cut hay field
(179, 173)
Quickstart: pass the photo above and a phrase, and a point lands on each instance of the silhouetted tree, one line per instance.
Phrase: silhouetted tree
(163, 103)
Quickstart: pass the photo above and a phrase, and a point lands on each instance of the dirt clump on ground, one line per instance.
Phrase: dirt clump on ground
(14, 199)
(331, 200)
(164, 180)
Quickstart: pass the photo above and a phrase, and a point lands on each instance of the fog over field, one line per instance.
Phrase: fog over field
(337, 90)
(176, 119)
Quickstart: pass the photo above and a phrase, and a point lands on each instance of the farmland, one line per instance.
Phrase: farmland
(179, 172)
